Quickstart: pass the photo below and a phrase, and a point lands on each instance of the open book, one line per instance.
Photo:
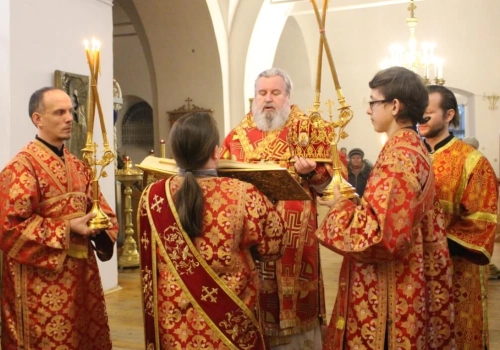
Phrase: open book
(271, 179)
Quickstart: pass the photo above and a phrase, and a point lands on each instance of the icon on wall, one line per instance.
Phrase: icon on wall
(77, 87)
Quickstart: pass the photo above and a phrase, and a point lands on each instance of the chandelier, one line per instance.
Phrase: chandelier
(422, 61)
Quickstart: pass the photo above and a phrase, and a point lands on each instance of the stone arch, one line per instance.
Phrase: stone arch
(135, 129)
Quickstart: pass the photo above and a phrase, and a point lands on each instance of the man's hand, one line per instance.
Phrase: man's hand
(79, 225)
(304, 166)
(331, 202)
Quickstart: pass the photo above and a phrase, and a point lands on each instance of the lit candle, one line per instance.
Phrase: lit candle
(127, 162)
(90, 122)
(97, 67)
(97, 58)
(87, 53)
(440, 69)
(163, 151)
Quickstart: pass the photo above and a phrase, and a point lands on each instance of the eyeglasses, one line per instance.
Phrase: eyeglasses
(373, 103)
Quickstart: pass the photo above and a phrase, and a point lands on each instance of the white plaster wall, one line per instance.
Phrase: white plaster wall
(467, 37)
(4, 82)
(291, 56)
(47, 36)
(129, 61)
(185, 57)
(245, 16)
(132, 72)
(220, 16)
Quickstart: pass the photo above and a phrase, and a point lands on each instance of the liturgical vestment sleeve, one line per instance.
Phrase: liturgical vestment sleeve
(380, 228)
(26, 235)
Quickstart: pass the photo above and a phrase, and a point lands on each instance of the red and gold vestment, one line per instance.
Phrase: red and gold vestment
(52, 295)
(292, 296)
(201, 293)
(396, 276)
(466, 186)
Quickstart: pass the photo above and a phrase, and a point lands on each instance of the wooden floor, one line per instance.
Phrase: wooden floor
(125, 315)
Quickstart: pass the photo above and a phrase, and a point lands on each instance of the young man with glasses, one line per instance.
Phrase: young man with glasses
(466, 186)
(395, 284)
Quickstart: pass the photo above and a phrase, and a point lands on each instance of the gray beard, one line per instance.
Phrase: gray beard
(271, 120)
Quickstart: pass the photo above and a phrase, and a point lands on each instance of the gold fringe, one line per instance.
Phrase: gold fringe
(288, 324)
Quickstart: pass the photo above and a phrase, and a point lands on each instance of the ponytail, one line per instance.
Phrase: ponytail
(189, 203)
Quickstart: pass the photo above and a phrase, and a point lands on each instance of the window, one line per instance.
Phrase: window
(137, 127)
(460, 130)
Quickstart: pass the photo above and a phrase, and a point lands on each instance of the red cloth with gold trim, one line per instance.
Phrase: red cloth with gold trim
(466, 186)
(180, 283)
(52, 295)
(396, 276)
(292, 295)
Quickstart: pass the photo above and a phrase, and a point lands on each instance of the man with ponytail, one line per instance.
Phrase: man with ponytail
(200, 287)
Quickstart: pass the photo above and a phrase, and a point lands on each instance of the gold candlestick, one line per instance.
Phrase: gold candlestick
(101, 220)
(345, 112)
(129, 256)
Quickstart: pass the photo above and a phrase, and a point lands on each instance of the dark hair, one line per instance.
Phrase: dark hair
(448, 101)
(193, 139)
(36, 100)
(406, 86)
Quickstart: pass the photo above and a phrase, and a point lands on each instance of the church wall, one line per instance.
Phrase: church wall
(132, 74)
(291, 56)
(466, 35)
(5, 107)
(130, 70)
(130, 67)
(239, 40)
(46, 36)
(359, 39)
(185, 57)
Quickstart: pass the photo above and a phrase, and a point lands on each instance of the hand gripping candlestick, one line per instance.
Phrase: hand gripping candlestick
(101, 220)
(345, 112)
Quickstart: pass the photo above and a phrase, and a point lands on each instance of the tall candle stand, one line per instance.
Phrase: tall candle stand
(129, 256)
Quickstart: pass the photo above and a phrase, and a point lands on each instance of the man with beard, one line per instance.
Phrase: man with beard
(466, 187)
(291, 296)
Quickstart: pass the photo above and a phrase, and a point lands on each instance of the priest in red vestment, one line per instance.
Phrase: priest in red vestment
(395, 284)
(199, 235)
(466, 186)
(292, 296)
(52, 295)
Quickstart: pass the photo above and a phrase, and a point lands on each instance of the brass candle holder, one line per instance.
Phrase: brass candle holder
(129, 256)
(345, 112)
(101, 220)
